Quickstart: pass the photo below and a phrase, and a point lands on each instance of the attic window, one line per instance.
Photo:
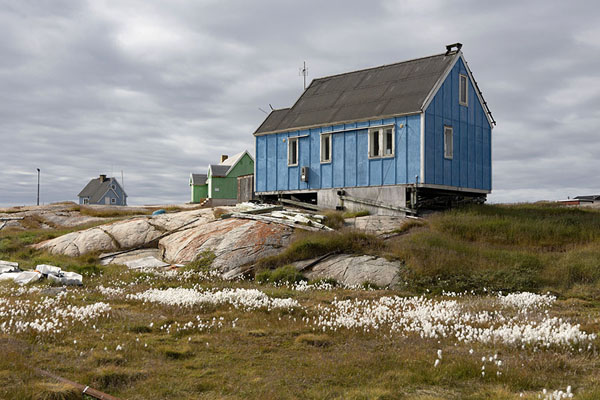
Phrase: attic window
(381, 142)
(463, 93)
(448, 142)
(325, 148)
(113, 186)
(292, 152)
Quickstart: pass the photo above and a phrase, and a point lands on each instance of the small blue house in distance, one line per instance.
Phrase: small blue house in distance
(390, 139)
(103, 190)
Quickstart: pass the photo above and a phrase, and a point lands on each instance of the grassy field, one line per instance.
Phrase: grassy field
(138, 335)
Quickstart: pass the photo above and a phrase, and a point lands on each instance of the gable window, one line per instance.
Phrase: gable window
(292, 152)
(448, 142)
(113, 186)
(326, 148)
(381, 142)
(463, 92)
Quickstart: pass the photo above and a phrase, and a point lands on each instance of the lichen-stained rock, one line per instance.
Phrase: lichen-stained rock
(126, 234)
(355, 270)
(77, 243)
(113, 237)
(234, 242)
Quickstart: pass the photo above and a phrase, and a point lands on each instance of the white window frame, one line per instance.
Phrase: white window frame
(460, 99)
(86, 200)
(113, 200)
(326, 158)
(448, 142)
(380, 131)
(292, 142)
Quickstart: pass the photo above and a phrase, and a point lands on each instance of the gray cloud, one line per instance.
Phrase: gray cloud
(159, 89)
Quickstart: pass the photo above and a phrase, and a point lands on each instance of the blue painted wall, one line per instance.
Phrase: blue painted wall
(471, 165)
(350, 165)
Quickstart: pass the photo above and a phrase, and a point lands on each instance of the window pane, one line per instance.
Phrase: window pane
(375, 151)
(293, 151)
(325, 148)
(448, 142)
(389, 142)
(463, 89)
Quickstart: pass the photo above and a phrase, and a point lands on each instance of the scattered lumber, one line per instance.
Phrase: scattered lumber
(314, 228)
(85, 390)
(301, 204)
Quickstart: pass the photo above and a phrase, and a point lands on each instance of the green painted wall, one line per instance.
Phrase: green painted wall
(244, 167)
(199, 192)
(223, 188)
(226, 188)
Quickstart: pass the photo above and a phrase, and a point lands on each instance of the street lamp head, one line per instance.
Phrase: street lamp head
(38, 170)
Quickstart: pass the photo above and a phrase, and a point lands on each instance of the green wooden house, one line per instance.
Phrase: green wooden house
(220, 184)
(199, 187)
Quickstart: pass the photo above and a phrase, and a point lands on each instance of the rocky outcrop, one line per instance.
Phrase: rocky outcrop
(180, 238)
(355, 270)
(234, 242)
(126, 234)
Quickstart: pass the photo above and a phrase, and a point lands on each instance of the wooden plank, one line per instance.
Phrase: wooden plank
(263, 210)
(301, 204)
(88, 391)
(11, 218)
(378, 204)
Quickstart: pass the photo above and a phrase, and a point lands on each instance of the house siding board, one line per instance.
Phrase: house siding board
(470, 166)
(304, 159)
(362, 158)
(314, 179)
(413, 131)
(350, 165)
(338, 160)
(271, 162)
(281, 172)
(261, 167)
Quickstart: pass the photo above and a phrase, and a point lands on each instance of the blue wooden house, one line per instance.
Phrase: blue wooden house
(391, 138)
(103, 190)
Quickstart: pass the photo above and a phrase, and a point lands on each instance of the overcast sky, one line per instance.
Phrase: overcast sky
(159, 89)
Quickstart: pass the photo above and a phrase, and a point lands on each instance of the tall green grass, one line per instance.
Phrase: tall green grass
(505, 247)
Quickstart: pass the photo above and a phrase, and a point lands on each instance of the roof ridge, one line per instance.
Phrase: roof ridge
(380, 66)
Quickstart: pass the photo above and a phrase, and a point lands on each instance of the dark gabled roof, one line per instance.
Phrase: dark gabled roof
(393, 89)
(222, 169)
(273, 120)
(95, 189)
(218, 170)
(199, 179)
(594, 197)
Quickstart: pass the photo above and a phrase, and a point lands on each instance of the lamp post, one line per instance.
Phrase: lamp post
(38, 192)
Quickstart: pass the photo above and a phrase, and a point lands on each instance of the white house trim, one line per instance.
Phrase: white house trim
(422, 149)
(440, 82)
(477, 92)
(239, 159)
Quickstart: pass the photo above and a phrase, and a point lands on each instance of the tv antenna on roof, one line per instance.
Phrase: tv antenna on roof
(304, 73)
